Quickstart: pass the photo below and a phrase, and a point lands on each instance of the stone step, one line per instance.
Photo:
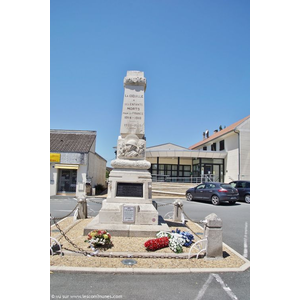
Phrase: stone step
(170, 188)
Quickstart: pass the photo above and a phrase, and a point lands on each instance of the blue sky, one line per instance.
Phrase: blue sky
(195, 55)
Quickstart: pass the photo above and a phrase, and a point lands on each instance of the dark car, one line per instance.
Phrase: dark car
(216, 192)
(243, 186)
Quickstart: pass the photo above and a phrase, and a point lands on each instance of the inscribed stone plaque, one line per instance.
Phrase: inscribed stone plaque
(128, 214)
(133, 118)
(125, 189)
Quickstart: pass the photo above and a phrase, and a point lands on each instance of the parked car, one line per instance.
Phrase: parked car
(216, 192)
(243, 186)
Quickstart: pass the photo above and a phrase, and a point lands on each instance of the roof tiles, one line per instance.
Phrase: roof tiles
(71, 141)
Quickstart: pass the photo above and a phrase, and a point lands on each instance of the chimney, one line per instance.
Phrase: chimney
(203, 136)
(216, 130)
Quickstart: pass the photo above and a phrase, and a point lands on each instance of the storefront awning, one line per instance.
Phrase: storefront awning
(186, 153)
(63, 166)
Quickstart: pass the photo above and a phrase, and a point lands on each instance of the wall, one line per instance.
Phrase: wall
(152, 160)
(244, 129)
(97, 169)
(231, 161)
(170, 160)
(81, 181)
(53, 179)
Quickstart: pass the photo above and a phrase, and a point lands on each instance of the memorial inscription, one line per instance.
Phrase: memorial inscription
(133, 111)
(125, 189)
(128, 214)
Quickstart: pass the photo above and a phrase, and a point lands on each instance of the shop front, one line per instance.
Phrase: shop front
(67, 179)
(209, 169)
(171, 163)
(68, 174)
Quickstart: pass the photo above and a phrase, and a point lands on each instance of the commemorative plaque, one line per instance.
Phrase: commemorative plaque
(128, 214)
(126, 189)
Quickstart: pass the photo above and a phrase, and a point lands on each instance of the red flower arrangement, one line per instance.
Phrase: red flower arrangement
(156, 244)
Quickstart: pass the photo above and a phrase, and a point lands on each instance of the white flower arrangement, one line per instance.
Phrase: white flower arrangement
(176, 242)
(163, 234)
(177, 239)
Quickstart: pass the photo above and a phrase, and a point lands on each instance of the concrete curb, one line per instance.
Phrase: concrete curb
(135, 270)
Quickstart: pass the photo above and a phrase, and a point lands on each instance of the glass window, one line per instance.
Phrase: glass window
(207, 160)
(210, 186)
(218, 160)
(225, 186)
(201, 186)
(222, 145)
(213, 147)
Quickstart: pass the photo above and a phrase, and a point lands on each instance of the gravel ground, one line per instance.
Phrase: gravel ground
(132, 246)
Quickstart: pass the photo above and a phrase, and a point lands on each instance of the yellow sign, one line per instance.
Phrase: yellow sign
(54, 157)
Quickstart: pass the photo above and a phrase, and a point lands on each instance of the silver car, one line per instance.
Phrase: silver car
(215, 192)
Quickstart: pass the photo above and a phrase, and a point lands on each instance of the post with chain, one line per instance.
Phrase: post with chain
(177, 211)
(214, 234)
(82, 208)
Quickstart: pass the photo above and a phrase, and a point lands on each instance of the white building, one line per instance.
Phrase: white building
(75, 167)
(224, 156)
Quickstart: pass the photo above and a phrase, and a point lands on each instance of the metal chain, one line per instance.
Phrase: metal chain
(66, 215)
(94, 201)
(82, 251)
(160, 205)
(192, 221)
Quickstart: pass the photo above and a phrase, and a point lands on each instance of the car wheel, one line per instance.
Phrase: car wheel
(247, 199)
(189, 197)
(215, 200)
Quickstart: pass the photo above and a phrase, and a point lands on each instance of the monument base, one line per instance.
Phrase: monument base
(127, 230)
(128, 213)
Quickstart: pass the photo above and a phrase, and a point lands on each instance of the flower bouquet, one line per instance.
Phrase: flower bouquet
(156, 244)
(186, 235)
(176, 242)
(98, 238)
(163, 234)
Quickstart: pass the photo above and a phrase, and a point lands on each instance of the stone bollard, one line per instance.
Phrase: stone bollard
(82, 208)
(177, 211)
(213, 233)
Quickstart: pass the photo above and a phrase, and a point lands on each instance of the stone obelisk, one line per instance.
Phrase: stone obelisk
(128, 209)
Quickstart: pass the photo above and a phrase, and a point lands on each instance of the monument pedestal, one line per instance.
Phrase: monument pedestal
(128, 209)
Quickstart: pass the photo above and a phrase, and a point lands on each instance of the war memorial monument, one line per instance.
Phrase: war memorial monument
(128, 209)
